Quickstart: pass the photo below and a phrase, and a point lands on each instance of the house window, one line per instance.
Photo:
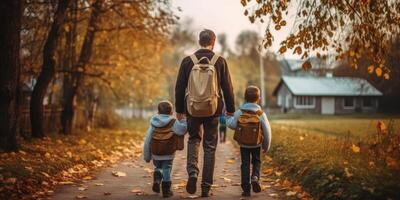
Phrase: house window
(368, 102)
(304, 102)
(348, 102)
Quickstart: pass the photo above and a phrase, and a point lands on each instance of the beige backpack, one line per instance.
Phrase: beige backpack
(202, 90)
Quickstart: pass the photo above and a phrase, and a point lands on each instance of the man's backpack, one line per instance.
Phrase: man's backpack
(164, 141)
(202, 91)
(248, 130)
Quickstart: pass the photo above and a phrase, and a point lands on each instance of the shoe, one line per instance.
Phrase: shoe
(157, 176)
(191, 184)
(205, 192)
(166, 189)
(246, 194)
(256, 186)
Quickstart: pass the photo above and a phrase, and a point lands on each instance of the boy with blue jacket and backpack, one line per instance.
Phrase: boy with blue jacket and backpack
(163, 138)
(252, 132)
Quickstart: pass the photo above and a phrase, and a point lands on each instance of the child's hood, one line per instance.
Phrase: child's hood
(250, 106)
(160, 120)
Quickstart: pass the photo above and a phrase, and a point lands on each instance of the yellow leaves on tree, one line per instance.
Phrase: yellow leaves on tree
(306, 65)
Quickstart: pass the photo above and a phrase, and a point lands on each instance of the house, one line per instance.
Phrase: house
(326, 95)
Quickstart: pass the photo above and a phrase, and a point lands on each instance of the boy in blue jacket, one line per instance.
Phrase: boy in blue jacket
(258, 130)
(151, 151)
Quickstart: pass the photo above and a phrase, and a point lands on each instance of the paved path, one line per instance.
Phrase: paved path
(136, 185)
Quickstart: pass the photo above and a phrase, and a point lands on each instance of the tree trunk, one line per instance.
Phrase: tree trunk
(10, 21)
(84, 57)
(48, 70)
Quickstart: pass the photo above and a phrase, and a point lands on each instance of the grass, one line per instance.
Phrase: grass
(318, 153)
(40, 165)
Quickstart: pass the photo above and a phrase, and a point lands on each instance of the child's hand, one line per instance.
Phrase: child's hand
(264, 151)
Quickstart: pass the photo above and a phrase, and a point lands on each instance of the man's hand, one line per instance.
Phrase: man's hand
(180, 116)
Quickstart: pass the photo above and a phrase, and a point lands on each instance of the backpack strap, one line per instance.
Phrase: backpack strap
(194, 59)
(214, 59)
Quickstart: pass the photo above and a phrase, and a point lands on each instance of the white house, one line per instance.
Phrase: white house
(326, 95)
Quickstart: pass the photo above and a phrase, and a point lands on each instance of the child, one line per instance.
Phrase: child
(164, 137)
(222, 129)
(252, 131)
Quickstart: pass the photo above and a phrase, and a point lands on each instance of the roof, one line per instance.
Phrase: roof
(317, 63)
(328, 86)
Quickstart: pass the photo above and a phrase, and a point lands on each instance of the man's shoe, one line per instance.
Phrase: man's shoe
(157, 176)
(256, 186)
(191, 184)
(246, 194)
(206, 193)
(166, 189)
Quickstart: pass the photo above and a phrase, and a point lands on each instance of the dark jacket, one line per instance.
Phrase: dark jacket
(224, 80)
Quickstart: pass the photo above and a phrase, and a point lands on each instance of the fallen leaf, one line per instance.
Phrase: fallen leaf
(99, 184)
(81, 197)
(47, 155)
(230, 161)
(347, 172)
(118, 174)
(273, 195)
(107, 193)
(11, 180)
(355, 148)
(290, 193)
(82, 188)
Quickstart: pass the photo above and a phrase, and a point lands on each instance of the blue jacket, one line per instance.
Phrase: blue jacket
(265, 126)
(161, 120)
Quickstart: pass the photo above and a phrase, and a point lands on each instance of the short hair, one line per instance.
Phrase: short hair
(252, 94)
(206, 38)
(165, 107)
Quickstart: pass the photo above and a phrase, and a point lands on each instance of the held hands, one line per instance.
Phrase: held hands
(180, 116)
(264, 150)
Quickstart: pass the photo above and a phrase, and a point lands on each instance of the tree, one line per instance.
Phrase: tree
(10, 20)
(247, 43)
(47, 70)
(351, 28)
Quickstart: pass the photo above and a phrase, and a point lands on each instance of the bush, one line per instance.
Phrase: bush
(107, 118)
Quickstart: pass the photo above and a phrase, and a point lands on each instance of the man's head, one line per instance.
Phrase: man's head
(252, 94)
(207, 38)
(165, 107)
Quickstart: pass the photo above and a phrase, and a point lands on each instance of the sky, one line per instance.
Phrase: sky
(223, 16)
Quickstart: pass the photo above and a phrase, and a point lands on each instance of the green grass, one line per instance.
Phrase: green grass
(317, 153)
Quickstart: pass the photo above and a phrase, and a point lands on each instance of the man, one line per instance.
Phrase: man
(209, 124)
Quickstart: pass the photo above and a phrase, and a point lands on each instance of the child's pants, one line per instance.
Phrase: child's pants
(245, 154)
(165, 167)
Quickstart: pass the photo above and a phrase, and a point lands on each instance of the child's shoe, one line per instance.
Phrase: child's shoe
(255, 184)
(166, 189)
(157, 176)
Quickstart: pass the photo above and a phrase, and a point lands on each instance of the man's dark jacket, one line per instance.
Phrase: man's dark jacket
(224, 80)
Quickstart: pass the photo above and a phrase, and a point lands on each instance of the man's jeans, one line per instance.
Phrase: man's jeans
(245, 154)
(210, 141)
(165, 167)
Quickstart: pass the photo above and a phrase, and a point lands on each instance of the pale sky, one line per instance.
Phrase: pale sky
(224, 16)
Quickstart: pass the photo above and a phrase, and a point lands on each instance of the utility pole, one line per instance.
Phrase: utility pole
(262, 83)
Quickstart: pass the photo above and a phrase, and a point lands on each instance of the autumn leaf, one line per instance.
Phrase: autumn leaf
(386, 76)
(306, 65)
(277, 27)
(118, 174)
(290, 193)
(370, 69)
(355, 148)
(81, 197)
(230, 161)
(282, 49)
(378, 71)
(347, 172)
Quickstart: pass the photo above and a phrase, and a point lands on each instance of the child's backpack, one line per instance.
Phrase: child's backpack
(248, 130)
(164, 141)
(202, 90)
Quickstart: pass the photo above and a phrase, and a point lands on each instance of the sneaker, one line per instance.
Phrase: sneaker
(166, 189)
(157, 181)
(256, 186)
(191, 184)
